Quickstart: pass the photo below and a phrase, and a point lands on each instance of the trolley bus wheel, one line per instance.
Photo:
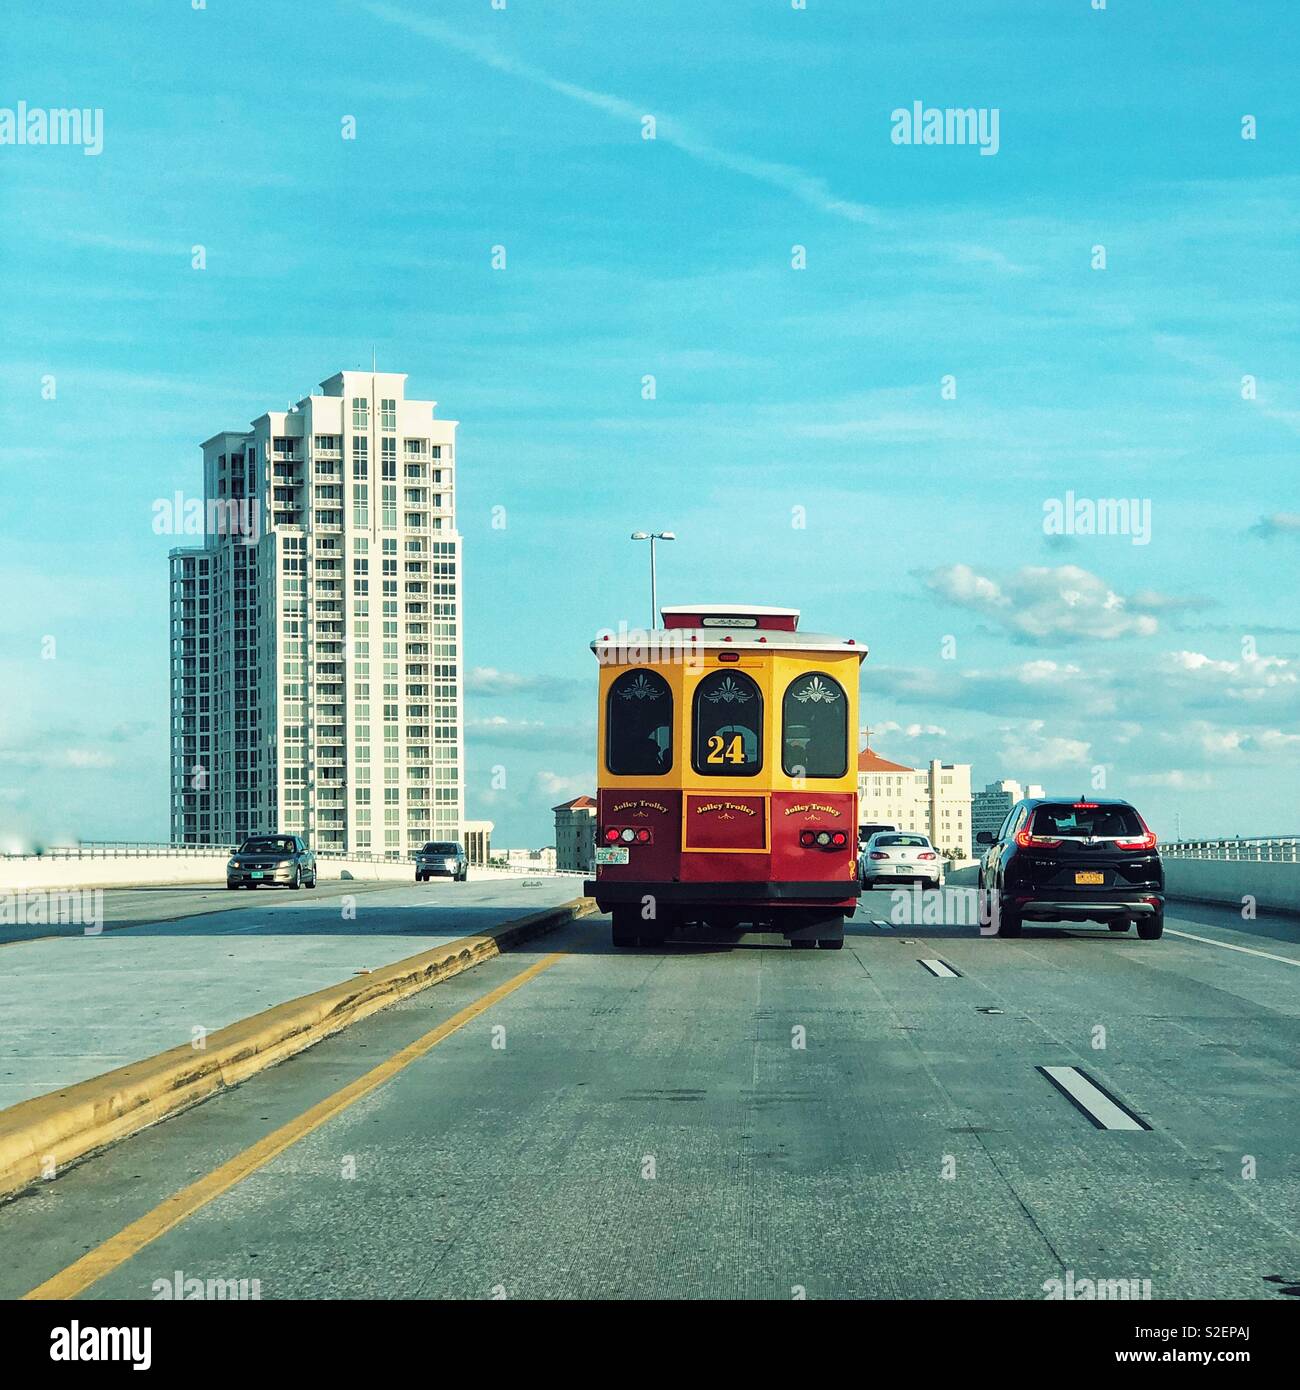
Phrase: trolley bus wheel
(626, 924)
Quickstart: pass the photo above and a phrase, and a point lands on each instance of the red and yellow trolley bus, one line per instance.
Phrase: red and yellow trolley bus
(727, 784)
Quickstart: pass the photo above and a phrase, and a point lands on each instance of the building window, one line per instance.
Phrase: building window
(815, 727)
(639, 725)
(387, 415)
(360, 413)
(728, 726)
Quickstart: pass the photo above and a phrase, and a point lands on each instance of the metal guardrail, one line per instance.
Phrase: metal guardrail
(1263, 849)
(1272, 849)
(129, 849)
(536, 871)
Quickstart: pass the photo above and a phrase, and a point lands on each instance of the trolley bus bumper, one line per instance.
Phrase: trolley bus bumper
(818, 893)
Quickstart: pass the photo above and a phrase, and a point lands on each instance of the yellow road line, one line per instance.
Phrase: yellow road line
(105, 1258)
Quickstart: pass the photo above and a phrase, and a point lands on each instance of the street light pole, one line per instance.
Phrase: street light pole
(652, 537)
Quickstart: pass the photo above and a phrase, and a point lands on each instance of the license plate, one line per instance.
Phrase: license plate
(256, 874)
(611, 854)
(1089, 876)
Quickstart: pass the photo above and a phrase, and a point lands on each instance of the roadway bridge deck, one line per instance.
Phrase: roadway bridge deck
(742, 1121)
(172, 960)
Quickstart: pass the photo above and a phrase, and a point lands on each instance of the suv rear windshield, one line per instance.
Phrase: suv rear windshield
(918, 841)
(268, 844)
(441, 847)
(1067, 820)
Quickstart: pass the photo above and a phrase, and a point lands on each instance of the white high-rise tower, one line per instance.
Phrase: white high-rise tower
(316, 634)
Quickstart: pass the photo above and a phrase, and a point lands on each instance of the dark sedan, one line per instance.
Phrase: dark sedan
(272, 859)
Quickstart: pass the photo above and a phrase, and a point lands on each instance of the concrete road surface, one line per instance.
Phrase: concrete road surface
(743, 1121)
(172, 960)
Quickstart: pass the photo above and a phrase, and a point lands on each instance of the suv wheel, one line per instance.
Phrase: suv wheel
(1009, 922)
(1152, 928)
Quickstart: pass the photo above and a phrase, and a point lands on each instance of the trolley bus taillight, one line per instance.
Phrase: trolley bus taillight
(628, 835)
(823, 839)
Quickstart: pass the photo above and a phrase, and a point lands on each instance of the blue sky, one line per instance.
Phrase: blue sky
(1173, 664)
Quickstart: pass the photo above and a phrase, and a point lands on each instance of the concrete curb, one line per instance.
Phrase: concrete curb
(52, 1131)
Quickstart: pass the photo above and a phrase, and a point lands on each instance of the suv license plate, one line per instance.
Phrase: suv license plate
(611, 854)
(1090, 877)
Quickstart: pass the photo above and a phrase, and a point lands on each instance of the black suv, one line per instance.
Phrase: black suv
(1057, 860)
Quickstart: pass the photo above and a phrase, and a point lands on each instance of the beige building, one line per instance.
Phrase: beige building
(575, 834)
(316, 652)
(935, 800)
(477, 839)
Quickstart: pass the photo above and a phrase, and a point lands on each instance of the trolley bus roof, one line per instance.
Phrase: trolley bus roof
(709, 626)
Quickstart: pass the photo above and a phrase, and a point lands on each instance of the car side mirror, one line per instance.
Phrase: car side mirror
(985, 837)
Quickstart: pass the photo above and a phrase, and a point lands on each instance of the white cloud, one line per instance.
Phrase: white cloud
(1224, 743)
(1038, 603)
(492, 683)
(556, 784)
(1261, 678)
(1028, 746)
(888, 726)
(1175, 779)
(52, 758)
(530, 735)
(1277, 524)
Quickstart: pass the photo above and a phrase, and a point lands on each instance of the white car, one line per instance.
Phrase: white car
(894, 856)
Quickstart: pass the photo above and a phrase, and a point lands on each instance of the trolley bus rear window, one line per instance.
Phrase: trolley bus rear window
(815, 727)
(728, 738)
(639, 725)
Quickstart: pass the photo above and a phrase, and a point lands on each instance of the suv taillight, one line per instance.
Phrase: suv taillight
(1028, 841)
(1146, 841)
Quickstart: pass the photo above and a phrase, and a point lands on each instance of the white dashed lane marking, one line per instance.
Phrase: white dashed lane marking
(1103, 1109)
(941, 969)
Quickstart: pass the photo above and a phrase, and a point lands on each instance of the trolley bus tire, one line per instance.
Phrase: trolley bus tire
(625, 928)
(803, 943)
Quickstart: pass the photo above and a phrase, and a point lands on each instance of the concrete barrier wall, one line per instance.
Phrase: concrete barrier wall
(1274, 887)
(45, 871)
